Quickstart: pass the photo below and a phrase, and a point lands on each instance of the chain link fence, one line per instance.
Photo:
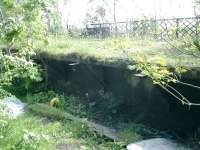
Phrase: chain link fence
(158, 29)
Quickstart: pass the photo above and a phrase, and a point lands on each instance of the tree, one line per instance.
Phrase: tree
(21, 27)
(22, 22)
(196, 7)
(96, 12)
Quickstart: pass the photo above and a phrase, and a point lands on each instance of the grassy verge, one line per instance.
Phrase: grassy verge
(29, 132)
(112, 50)
(46, 129)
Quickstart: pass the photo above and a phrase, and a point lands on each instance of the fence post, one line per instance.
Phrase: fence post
(127, 32)
(177, 28)
(155, 29)
(197, 26)
(100, 34)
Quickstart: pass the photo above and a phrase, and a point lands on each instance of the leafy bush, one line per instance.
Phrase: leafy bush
(21, 23)
(70, 104)
(13, 67)
(104, 108)
(41, 97)
(73, 105)
(4, 93)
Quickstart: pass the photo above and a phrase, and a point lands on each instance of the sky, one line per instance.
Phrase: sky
(74, 11)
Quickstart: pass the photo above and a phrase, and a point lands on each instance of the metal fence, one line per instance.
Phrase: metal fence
(158, 29)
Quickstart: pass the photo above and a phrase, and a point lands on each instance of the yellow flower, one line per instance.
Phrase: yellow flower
(54, 102)
(161, 61)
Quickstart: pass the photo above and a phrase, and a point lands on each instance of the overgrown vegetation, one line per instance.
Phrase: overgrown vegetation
(25, 32)
(17, 37)
(80, 107)
(124, 48)
(30, 132)
(162, 62)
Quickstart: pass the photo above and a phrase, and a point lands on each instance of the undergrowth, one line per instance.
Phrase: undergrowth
(71, 105)
(82, 107)
(29, 132)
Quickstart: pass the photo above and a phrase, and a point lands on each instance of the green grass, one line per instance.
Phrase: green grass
(111, 50)
(127, 133)
(29, 132)
(43, 128)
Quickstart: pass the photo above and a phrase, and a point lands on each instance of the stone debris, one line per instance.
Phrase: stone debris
(11, 107)
(157, 144)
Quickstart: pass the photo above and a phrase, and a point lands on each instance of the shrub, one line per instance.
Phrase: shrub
(4, 93)
(41, 97)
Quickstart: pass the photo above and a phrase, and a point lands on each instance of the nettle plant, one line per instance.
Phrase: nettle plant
(21, 28)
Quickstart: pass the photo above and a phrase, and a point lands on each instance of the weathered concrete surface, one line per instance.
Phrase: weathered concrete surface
(11, 107)
(157, 144)
(136, 98)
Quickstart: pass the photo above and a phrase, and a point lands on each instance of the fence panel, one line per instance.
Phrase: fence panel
(158, 29)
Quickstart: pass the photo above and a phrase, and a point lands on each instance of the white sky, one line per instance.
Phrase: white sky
(74, 11)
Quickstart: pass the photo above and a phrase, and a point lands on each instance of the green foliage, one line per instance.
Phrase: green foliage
(4, 93)
(47, 111)
(119, 43)
(17, 70)
(76, 129)
(29, 132)
(22, 22)
(158, 71)
(13, 67)
(104, 51)
(74, 32)
(196, 44)
(73, 105)
(163, 76)
(41, 97)
(129, 135)
(70, 104)
(104, 108)
(21, 26)
(131, 132)
(32, 136)
(188, 45)
(172, 32)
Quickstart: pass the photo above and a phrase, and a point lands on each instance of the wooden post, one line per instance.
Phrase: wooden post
(196, 27)
(177, 28)
(155, 29)
(127, 32)
(100, 32)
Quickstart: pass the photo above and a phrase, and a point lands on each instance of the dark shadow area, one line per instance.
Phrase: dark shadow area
(117, 95)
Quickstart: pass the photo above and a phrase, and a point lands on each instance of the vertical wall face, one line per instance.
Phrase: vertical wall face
(137, 99)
